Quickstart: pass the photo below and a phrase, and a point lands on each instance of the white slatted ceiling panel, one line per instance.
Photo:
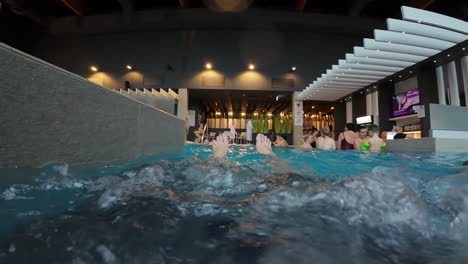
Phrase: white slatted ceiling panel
(419, 35)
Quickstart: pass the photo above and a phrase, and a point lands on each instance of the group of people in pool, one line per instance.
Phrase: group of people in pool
(365, 139)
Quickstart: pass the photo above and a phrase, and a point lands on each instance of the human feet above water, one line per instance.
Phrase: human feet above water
(220, 146)
(263, 145)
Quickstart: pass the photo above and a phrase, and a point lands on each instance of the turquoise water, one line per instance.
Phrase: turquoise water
(300, 206)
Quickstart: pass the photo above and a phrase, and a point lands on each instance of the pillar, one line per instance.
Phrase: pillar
(453, 84)
(368, 104)
(182, 108)
(349, 112)
(464, 68)
(298, 118)
(441, 85)
(375, 106)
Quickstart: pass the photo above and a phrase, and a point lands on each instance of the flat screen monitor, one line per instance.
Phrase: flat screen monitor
(406, 103)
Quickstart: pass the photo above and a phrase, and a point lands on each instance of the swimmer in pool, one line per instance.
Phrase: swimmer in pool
(280, 142)
(308, 139)
(221, 146)
(362, 136)
(376, 143)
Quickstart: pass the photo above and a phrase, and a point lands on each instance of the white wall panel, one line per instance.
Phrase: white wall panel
(435, 19)
(349, 112)
(425, 30)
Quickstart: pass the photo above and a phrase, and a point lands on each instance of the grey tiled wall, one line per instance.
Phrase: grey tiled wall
(50, 115)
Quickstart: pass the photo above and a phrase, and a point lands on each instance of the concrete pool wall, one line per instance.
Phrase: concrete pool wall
(50, 115)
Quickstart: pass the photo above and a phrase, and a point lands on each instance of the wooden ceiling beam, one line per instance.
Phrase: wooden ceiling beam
(77, 6)
(183, 3)
(421, 4)
(300, 5)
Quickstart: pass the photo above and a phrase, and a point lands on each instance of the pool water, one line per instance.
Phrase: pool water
(301, 206)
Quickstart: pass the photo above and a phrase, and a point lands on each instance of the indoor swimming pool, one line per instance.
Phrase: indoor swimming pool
(301, 206)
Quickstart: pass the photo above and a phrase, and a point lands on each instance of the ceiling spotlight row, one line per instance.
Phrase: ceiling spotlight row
(96, 68)
(209, 66)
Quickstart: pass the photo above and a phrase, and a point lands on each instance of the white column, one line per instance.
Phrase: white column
(182, 108)
(375, 107)
(464, 68)
(349, 112)
(368, 104)
(298, 115)
(453, 84)
(441, 85)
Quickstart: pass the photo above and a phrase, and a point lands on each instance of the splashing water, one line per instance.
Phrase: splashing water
(302, 206)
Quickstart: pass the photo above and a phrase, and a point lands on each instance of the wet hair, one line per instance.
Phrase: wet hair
(374, 129)
(350, 126)
(325, 131)
(361, 127)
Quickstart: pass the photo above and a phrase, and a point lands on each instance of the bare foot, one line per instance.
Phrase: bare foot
(220, 146)
(263, 145)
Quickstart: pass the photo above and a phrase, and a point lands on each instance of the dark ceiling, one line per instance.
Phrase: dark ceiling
(380, 9)
(235, 101)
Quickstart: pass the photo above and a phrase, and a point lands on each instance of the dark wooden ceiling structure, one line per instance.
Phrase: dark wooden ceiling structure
(237, 101)
(43, 9)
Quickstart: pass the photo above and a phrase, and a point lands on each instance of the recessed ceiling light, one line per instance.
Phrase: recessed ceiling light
(94, 68)
(293, 68)
(251, 67)
(448, 55)
(129, 67)
(435, 61)
(410, 71)
(463, 48)
(399, 76)
(209, 66)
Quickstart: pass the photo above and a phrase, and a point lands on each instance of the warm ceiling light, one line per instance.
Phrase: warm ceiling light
(230, 113)
(218, 113)
(242, 114)
(270, 114)
(94, 68)
(129, 67)
(448, 55)
(209, 66)
(255, 114)
(293, 68)
(251, 67)
(313, 107)
(331, 108)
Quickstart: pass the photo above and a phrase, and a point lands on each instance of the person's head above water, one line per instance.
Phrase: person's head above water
(374, 130)
(325, 131)
(363, 132)
(349, 127)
